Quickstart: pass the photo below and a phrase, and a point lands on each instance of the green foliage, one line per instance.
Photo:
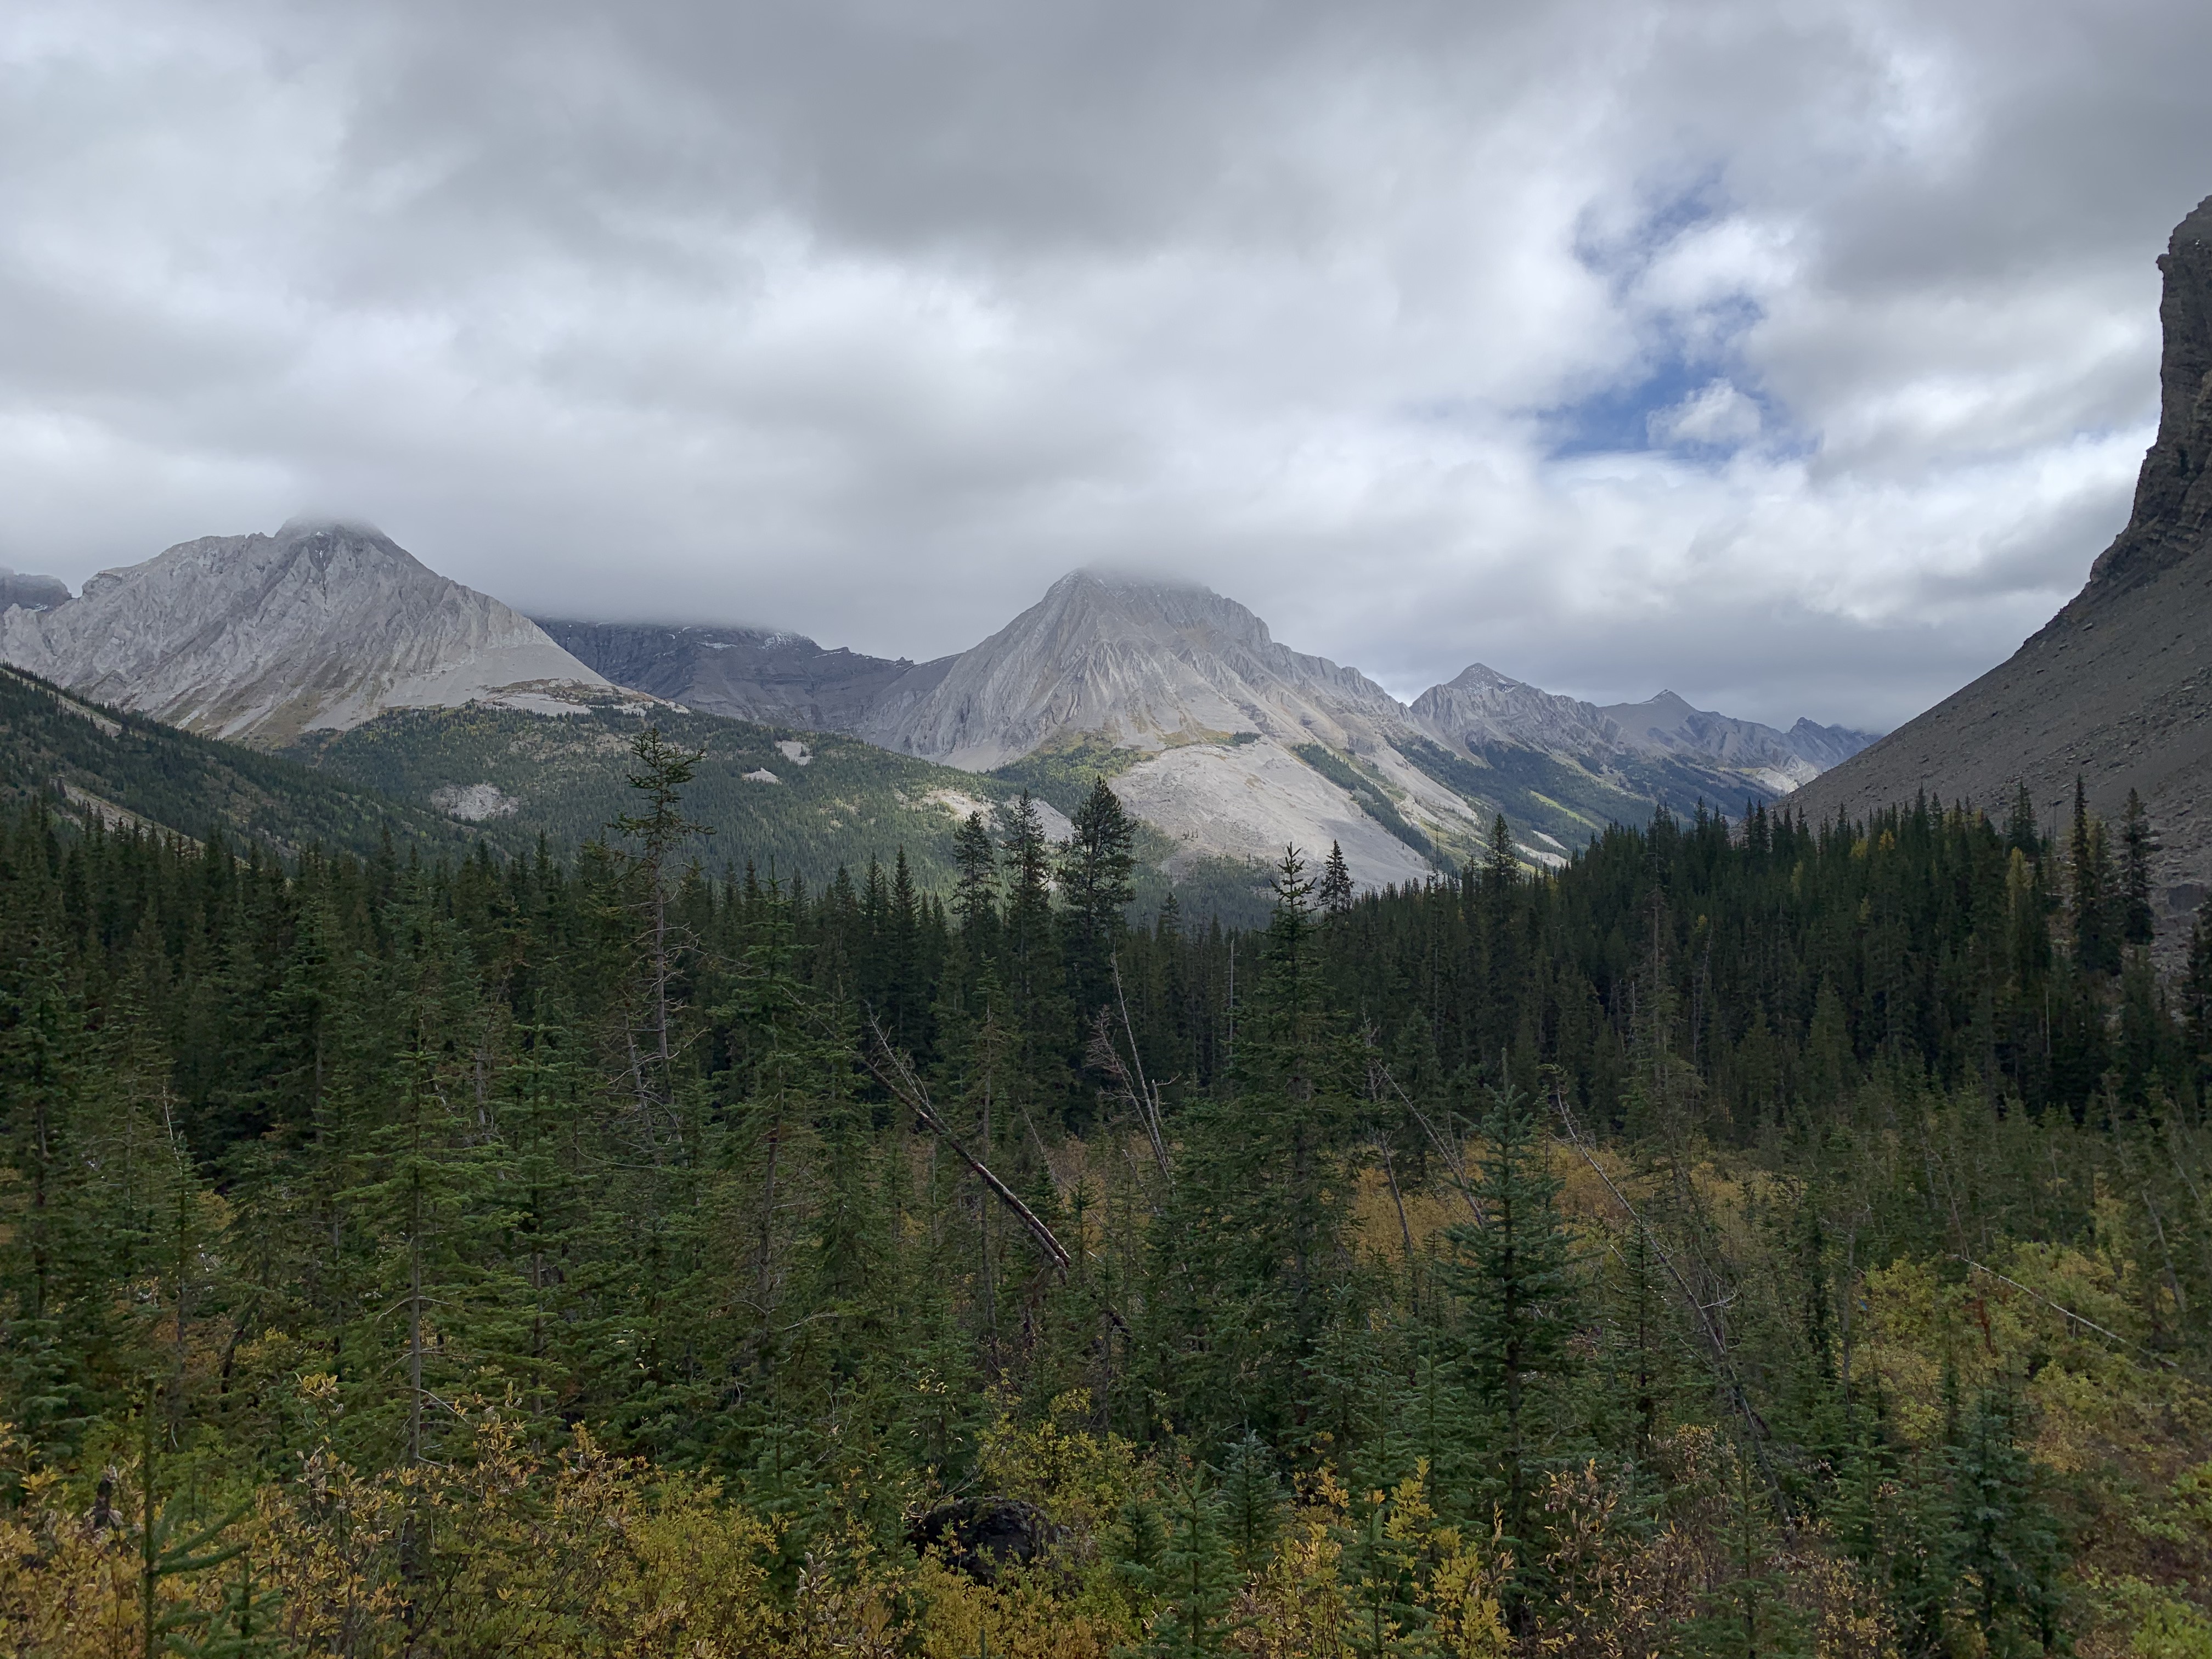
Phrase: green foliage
(93, 763)
(847, 802)
(1371, 797)
(1747, 1234)
(1065, 772)
(1574, 804)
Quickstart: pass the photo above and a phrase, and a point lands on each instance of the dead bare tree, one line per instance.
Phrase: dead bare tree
(1142, 1094)
(895, 1073)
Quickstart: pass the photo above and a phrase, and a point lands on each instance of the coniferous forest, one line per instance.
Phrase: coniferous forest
(1755, 1237)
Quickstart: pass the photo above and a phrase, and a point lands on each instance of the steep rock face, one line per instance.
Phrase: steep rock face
(2117, 688)
(1142, 665)
(744, 673)
(260, 638)
(2172, 514)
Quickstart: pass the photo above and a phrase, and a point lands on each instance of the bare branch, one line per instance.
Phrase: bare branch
(891, 1068)
(1723, 1362)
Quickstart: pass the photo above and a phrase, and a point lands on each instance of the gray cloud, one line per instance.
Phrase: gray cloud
(1796, 358)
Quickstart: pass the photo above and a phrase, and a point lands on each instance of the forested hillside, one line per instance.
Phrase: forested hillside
(1751, 1238)
(101, 763)
(790, 802)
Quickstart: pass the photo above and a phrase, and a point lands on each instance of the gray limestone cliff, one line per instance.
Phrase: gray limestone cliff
(1142, 665)
(262, 638)
(2116, 689)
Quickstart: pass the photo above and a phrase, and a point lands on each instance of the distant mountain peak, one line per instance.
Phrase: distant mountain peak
(1481, 676)
(303, 525)
(1142, 663)
(262, 638)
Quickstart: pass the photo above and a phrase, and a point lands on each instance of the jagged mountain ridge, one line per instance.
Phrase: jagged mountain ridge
(1219, 733)
(262, 638)
(760, 674)
(1171, 671)
(2117, 688)
(1226, 741)
(1483, 707)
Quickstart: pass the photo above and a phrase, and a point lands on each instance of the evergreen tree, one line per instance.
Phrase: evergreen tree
(2137, 844)
(2096, 939)
(1334, 893)
(1513, 1274)
(2006, 1547)
(1095, 889)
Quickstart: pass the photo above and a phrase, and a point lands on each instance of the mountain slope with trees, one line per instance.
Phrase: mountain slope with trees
(95, 764)
(1748, 1238)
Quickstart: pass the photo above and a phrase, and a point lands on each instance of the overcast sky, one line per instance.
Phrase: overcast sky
(1795, 354)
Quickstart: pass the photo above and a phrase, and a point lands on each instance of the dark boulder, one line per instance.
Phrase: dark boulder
(983, 1536)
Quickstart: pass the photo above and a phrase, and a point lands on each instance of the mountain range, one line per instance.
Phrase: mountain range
(1226, 743)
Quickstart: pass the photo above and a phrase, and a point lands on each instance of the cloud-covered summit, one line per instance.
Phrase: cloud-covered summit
(1797, 357)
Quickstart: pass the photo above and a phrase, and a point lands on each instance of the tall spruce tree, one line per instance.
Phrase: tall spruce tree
(1513, 1274)
(1096, 888)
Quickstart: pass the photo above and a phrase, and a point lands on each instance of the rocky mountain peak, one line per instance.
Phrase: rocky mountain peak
(1481, 676)
(1141, 664)
(262, 638)
(1108, 604)
(2172, 515)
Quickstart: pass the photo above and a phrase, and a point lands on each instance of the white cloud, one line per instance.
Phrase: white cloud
(1717, 414)
(1798, 358)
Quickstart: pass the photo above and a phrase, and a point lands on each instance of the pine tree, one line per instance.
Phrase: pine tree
(1195, 1576)
(2005, 1544)
(1251, 1499)
(1513, 1274)
(2021, 834)
(2197, 994)
(2096, 940)
(1333, 894)
(1094, 888)
(975, 891)
(664, 769)
(2137, 844)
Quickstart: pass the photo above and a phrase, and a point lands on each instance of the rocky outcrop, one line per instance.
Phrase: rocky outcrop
(263, 638)
(2117, 688)
(2172, 515)
(746, 673)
